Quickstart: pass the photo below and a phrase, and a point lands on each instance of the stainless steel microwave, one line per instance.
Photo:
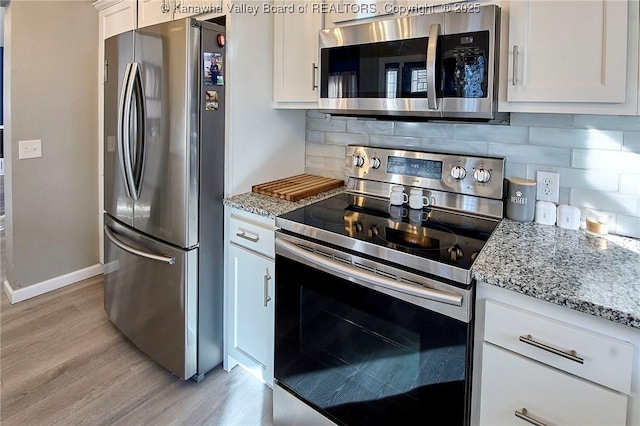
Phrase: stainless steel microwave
(432, 65)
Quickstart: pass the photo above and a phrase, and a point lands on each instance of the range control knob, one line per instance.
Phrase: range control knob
(458, 172)
(455, 252)
(482, 175)
(357, 161)
(375, 162)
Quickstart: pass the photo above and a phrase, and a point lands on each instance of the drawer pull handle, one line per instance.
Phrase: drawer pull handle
(244, 235)
(528, 339)
(524, 415)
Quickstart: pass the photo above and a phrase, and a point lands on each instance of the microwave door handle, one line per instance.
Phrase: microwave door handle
(432, 50)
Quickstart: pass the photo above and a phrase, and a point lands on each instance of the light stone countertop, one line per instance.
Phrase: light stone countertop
(595, 275)
(265, 205)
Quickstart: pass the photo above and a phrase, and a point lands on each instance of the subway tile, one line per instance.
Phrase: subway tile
(326, 173)
(373, 127)
(491, 133)
(576, 138)
(334, 164)
(453, 146)
(425, 130)
(333, 125)
(531, 154)
(512, 169)
(346, 138)
(314, 136)
(337, 164)
(564, 195)
(607, 201)
(314, 162)
(596, 180)
(631, 142)
(541, 120)
(605, 160)
(314, 113)
(395, 141)
(630, 184)
(628, 225)
(607, 122)
(324, 150)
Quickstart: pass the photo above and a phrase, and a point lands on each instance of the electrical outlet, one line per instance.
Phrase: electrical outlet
(29, 149)
(548, 186)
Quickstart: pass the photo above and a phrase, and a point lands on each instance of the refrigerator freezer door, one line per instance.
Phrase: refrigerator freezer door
(151, 296)
(167, 208)
(118, 57)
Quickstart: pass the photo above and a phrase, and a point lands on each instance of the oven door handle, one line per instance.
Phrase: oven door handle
(369, 279)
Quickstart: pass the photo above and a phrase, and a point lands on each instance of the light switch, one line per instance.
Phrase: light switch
(29, 149)
(111, 144)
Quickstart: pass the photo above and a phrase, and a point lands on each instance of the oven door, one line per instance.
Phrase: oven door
(364, 343)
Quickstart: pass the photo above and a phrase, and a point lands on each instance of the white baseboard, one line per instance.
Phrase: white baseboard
(43, 287)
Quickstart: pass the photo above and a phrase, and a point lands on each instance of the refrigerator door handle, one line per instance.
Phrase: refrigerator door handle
(137, 165)
(126, 131)
(159, 257)
(123, 123)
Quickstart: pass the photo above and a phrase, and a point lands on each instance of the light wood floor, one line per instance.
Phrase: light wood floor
(64, 363)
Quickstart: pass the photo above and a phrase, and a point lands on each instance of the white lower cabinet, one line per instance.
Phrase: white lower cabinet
(539, 363)
(250, 296)
(516, 390)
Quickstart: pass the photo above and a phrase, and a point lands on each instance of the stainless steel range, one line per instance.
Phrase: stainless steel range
(374, 306)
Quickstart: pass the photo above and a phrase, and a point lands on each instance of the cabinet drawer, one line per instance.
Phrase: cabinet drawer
(511, 382)
(252, 235)
(597, 357)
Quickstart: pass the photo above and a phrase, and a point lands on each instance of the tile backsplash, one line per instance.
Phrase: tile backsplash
(597, 157)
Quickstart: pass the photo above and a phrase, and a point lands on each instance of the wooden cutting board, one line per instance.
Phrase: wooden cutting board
(297, 187)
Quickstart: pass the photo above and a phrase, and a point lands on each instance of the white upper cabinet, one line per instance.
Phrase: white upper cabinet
(295, 59)
(116, 16)
(573, 56)
(151, 12)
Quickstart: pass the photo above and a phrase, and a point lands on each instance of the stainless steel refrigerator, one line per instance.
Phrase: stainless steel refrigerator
(163, 189)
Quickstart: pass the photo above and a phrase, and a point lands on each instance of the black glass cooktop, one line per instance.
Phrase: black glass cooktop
(438, 235)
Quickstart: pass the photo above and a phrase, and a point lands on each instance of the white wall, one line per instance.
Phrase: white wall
(598, 157)
(51, 94)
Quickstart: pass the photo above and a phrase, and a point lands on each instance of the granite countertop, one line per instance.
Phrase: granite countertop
(265, 205)
(591, 274)
(596, 275)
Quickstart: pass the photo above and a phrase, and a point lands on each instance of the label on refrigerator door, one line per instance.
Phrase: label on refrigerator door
(213, 69)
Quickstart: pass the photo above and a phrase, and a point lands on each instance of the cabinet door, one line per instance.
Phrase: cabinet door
(151, 12)
(567, 51)
(511, 383)
(118, 18)
(251, 317)
(187, 8)
(295, 59)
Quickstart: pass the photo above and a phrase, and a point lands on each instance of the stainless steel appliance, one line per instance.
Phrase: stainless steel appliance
(163, 190)
(374, 307)
(431, 65)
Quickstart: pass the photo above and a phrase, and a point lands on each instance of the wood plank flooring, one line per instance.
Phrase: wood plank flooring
(62, 362)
